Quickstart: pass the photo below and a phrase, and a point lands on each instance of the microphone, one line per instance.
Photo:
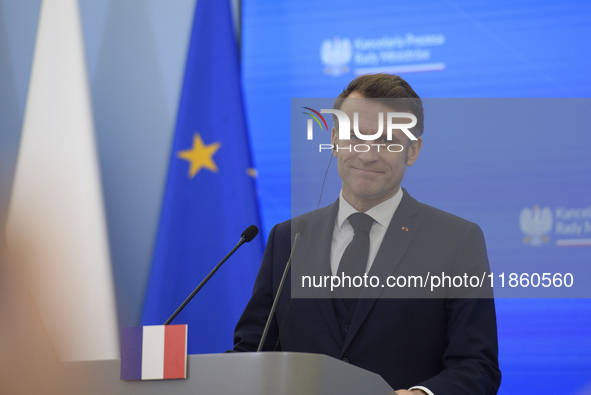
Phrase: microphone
(300, 229)
(248, 234)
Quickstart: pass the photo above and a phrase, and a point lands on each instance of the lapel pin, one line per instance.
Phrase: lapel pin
(404, 228)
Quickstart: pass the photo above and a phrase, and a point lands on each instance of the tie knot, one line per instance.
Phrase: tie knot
(361, 221)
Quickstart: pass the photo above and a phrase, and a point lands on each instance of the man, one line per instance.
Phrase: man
(423, 345)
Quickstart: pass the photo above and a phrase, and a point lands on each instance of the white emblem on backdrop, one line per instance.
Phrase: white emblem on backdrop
(536, 223)
(393, 54)
(336, 55)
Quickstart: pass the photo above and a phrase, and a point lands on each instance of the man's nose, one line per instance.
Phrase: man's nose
(368, 155)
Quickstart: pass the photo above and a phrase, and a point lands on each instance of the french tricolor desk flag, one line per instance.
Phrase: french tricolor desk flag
(154, 352)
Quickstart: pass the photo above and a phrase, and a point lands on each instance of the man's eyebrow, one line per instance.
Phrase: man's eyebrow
(384, 137)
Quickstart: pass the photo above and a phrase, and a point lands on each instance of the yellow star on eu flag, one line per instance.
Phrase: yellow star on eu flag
(200, 156)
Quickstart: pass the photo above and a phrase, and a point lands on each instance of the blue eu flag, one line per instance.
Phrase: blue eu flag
(210, 196)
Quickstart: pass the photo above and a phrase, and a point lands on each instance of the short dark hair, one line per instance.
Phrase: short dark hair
(386, 86)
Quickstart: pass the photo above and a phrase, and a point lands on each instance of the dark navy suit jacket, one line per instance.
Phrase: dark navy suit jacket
(448, 345)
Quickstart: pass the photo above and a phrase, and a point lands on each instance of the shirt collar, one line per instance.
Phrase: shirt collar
(382, 213)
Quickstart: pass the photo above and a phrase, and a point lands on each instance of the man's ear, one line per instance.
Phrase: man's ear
(412, 153)
(333, 140)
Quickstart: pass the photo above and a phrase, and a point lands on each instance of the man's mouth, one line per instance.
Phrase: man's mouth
(369, 171)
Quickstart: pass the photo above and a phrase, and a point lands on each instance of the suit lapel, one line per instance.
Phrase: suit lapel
(396, 241)
(319, 241)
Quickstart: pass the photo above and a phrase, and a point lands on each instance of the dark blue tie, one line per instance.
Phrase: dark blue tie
(354, 259)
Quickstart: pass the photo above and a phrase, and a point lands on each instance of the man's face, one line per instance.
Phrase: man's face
(371, 177)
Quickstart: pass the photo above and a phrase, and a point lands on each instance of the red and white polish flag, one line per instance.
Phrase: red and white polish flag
(154, 352)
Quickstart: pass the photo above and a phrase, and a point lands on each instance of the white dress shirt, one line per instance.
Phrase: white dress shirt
(343, 234)
(343, 231)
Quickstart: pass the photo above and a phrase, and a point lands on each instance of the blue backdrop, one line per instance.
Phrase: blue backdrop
(504, 174)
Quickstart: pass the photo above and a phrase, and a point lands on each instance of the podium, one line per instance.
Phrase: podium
(265, 373)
